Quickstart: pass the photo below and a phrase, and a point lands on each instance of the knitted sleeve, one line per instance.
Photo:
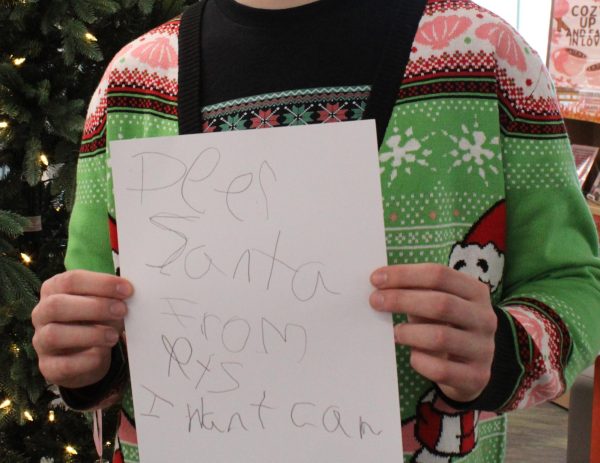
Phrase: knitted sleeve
(89, 244)
(549, 316)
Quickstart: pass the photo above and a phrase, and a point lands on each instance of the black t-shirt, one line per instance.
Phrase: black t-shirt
(330, 43)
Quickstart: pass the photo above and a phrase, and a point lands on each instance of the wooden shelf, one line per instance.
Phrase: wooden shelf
(594, 207)
(583, 106)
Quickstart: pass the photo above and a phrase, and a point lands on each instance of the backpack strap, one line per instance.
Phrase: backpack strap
(189, 105)
(392, 67)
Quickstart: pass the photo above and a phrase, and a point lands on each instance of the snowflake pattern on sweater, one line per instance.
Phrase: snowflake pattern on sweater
(474, 152)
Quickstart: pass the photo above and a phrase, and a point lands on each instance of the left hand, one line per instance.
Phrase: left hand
(451, 324)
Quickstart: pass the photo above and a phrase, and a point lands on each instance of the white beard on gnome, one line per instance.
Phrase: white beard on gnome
(484, 263)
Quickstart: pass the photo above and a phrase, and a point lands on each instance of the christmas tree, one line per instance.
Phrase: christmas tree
(52, 55)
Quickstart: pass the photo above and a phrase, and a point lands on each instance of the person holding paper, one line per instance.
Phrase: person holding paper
(494, 276)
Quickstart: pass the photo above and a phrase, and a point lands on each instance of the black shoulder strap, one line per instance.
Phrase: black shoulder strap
(384, 92)
(189, 105)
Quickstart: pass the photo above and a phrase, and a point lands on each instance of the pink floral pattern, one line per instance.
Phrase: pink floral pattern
(547, 387)
(531, 322)
(439, 32)
(547, 383)
(157, 53)
(504, 40)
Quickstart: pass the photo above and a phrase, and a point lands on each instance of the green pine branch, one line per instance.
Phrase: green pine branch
(11, 224)
(20, 287)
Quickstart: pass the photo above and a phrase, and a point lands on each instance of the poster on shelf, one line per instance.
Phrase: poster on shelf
(574, 57)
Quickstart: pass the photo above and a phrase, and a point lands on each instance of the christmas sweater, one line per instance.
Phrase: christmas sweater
(477, 173)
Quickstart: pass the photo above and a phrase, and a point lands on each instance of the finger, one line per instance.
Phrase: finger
(77, 369)
(67, 308)
(58, 338)
(85, 283)
(430, 276)
(459, 381)
(413, 319)
(442, 339)
(432, 305)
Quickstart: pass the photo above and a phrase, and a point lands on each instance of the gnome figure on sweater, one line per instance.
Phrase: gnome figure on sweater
(440, 432)
(481, 253)
(443, 432)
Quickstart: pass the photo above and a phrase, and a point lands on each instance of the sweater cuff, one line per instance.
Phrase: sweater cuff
(106, 391)
(505, 372)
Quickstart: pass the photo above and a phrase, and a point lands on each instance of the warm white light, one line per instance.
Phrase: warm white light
(44, 159)
(70, 450)
(3, 125)
(91, 37)
(19, 61)
(25, 258)
(51, 416)
(28, 416)
(5, 404)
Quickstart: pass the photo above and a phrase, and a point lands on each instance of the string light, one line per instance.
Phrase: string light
(15, 349)
(44, 159)
(5, 404)
(51, 416)
(28, 416)
(90, 37)
(25, 258)
(3, 125)
(108, 443)
(18, 61)
(70, 450)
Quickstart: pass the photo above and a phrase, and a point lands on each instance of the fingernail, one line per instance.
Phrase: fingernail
(124, 289)
(397, 337)
(378, 300)
(112, 336)
(379, 278)
(118, 309)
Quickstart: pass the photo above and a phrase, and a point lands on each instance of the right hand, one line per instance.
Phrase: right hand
(77, 322)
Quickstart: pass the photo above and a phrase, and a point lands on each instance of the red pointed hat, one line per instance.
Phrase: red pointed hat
(491, 228)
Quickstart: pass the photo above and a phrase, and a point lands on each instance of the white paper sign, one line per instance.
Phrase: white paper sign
(250, 335)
